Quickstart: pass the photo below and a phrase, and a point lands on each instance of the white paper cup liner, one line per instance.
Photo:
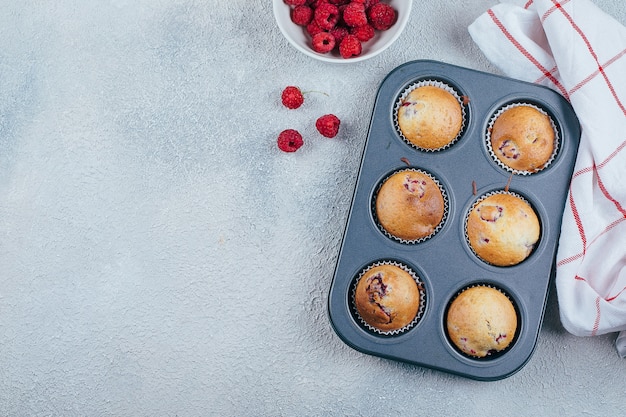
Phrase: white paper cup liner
(433, 83)
(497, 160)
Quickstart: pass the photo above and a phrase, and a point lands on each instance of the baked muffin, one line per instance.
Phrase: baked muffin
(481, 321)
(502, 229)
(522, 138)
(387, 297)
(410, 205)
(430, 117)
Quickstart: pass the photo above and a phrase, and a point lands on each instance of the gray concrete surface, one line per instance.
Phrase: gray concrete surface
(160, 257)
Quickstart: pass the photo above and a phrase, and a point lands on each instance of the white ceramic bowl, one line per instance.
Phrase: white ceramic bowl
(297, 36)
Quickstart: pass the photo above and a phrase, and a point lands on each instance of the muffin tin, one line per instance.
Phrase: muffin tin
(444, 263)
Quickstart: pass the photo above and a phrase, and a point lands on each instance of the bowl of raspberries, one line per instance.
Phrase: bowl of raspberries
(342, 31)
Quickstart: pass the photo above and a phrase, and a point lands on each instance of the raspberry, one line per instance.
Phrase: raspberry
(338, 33)
(313, 28)
(301, 15)
(289, 140)
(326, 15)
(295, 2)
(350, 46)
(323, 42)
(381, 16)
(292, 97)
(354, 15)
(328, 125)
(366, 3)
(363, 33)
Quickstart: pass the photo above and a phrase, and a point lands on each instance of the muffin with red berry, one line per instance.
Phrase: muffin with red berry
(410, 205)
(430, 116)
(522, 137)
(388, 298)
(502, 229)
(481, 321)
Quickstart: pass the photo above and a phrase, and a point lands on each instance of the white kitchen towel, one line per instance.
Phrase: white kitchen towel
(578, 50)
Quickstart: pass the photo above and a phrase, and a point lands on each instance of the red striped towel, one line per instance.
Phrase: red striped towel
(578, 50)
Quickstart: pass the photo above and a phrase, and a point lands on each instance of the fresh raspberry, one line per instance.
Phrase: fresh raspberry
(326, 15)
(301, 15)
(350, 46)
(295, 2)
(292, 97)
(381, 16)
(366, 3)
(328, 125)
(338, 32)
(339, 2)
(363, 33)
(323, 42)
(313, 28)
(354, 14)
(289, 140)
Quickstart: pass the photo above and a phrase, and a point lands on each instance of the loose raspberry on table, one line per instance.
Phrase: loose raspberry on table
(354, 14)
(289, 140)
(328, 125)
(301, 15)
(292, 97)
(350, 46)
(381, 16)
(326, 15)
(323, 42)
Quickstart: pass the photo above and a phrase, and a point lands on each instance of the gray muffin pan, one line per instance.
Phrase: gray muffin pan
(445, 263)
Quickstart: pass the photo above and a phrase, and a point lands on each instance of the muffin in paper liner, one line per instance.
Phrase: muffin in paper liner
(409, 217)
(512, 240)
(382, 301)
(482, 321)
(431, 116)
(517, 151)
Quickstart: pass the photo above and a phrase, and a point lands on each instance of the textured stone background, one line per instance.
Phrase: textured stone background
(160, 257)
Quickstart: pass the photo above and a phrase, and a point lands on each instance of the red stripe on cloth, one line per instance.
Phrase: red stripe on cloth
(617, 150)
(527, 5)
(616, 295)
(572, 258)
(608, 195)
(596, 72)
(607, 229)
(526, 54)
(553, 70)
(596, 324)
(592, 52)
(579, 223)
(552, 9)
